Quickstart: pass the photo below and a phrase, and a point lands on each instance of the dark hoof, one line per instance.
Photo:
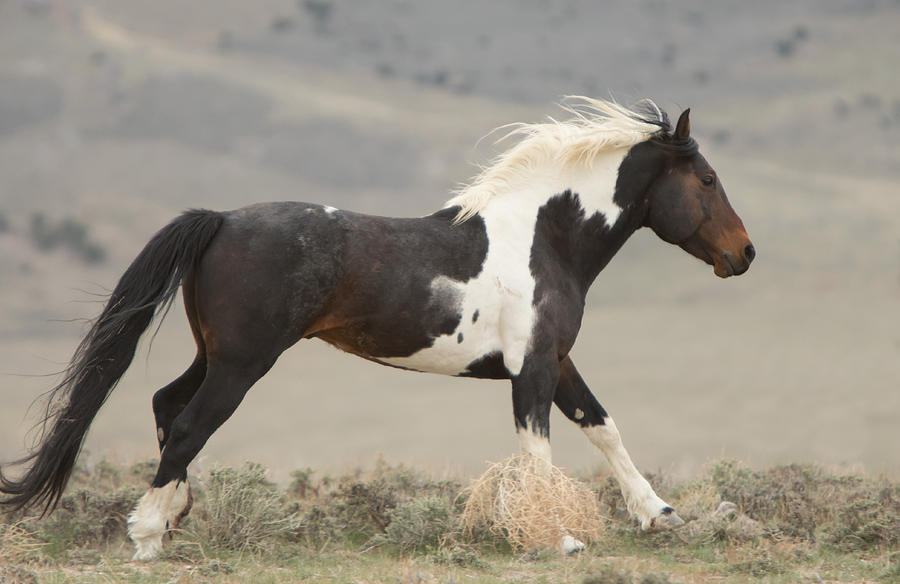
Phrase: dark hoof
(667, 519)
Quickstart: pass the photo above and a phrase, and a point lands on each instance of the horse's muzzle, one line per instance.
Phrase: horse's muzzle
(733, 264)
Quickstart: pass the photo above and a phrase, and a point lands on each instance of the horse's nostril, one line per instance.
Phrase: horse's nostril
(749, 252)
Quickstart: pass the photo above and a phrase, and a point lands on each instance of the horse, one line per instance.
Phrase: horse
(491, 286)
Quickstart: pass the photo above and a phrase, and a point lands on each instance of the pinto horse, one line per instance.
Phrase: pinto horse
(491, 286)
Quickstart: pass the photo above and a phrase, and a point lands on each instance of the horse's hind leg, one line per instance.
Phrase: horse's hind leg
(575, 400)
(169, 401)
(226, 382)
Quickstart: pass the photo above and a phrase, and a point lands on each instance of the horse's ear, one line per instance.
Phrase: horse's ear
(683, 127)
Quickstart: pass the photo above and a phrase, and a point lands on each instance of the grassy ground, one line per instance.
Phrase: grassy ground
(395, 524)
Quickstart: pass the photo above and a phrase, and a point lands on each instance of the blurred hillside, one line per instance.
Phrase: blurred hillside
(117, 114)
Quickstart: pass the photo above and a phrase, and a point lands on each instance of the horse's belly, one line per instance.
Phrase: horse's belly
(491, 337)
(453, 354)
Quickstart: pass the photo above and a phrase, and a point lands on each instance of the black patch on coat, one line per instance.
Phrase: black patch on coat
(638, 170)
(385, 305)
(475, 316)
(572, 394)
(570, 249)
(459, 338)
(490, 366)
(306, 269)
(557, 264)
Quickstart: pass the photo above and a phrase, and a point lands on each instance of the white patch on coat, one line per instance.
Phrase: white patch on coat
(579, 415)
(640, 498)
(503, 292)
(154, 515)
(327, 209)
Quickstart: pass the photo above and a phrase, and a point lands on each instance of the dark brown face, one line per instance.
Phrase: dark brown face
(688, 207)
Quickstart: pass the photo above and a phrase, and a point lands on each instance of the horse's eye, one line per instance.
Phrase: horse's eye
(708, 180)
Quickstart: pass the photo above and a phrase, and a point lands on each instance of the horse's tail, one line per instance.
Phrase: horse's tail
(148, 287)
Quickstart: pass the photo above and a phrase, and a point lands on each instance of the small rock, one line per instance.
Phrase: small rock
(726, 509)
(570, 545)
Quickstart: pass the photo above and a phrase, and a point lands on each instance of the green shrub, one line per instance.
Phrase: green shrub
(805, 502)
(788, 496)
(458, 555)
(363, 506)
(243, 510)
(316, 527)
(302, 485)
(358, 506)
(86, 517)
(868, 517)
(420, 524)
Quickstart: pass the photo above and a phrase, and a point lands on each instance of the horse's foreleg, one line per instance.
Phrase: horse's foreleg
(532, 393)
(169, 498)
(575, 400)
(532, 398)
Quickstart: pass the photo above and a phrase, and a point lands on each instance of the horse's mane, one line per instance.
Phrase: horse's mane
(595, 126)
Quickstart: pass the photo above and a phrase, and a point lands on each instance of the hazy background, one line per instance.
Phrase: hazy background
(117, 114)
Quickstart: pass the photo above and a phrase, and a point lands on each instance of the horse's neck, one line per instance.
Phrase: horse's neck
(571, 210)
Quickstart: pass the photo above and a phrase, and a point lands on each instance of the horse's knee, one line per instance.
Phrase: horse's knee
(159, 402)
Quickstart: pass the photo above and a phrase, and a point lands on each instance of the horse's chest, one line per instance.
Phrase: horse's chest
(495, 316)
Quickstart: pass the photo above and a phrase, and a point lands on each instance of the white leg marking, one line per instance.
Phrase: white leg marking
(641, 500)
(158, 511)
(534, 444)
(538, 446)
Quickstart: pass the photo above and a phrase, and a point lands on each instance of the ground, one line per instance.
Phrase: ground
(393, 523)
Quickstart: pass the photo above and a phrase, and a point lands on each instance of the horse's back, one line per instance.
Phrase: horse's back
(401, 284)
(378, 287)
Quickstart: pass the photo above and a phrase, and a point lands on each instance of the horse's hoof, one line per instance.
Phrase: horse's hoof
(146, 548)
(570, 545)
(156, 514)
(667, 519)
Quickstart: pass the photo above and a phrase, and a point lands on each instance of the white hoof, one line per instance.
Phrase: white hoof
(147, 547)
(570, 545)
(158, 511)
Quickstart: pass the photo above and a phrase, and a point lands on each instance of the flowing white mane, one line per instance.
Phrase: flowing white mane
(596, 126)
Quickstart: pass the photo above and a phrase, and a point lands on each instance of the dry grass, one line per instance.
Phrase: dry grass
(243, 510)
(783, 524)
(18, 545)
(530, 505)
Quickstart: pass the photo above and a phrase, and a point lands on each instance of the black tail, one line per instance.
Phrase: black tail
(147, 287)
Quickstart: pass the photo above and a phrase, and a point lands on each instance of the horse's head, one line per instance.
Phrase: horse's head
(688, 207)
